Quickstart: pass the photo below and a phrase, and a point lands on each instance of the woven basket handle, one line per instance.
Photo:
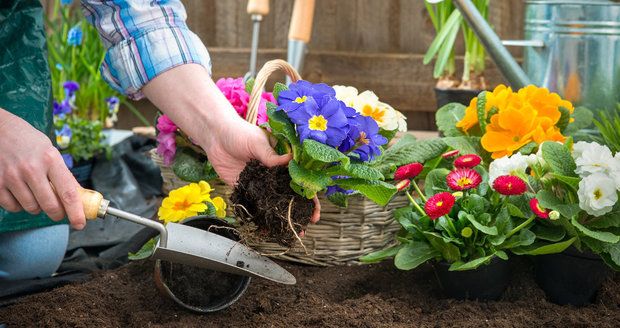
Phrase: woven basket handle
(261, 79)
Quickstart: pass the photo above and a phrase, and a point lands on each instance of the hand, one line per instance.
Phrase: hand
(33, 175)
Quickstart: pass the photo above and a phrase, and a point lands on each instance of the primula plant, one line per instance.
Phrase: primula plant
(182, 203)
(462, 217)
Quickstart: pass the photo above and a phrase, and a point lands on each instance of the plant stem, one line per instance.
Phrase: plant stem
(415, 204)
(521, 226)
(417, 189)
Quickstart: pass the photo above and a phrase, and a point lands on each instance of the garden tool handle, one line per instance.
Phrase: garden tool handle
(258, 7)
(301, 20)
(95, 206)
(261, 79)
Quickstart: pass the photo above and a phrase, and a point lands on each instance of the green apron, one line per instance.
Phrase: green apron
(25, 84)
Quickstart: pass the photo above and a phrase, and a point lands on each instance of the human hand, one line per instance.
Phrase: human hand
(33, 175)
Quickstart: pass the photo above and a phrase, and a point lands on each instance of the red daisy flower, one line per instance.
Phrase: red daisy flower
(540, 211)
(509, 185)
(439, 204)
(463, 179)
(403, 184)
(450, 154)
(408, 171)
(468, 161)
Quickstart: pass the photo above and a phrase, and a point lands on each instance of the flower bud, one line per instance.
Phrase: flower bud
(457, 194)
(466, 232)
(403, 184)
(554, 215)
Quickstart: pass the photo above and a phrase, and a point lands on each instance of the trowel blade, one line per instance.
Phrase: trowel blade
(192, 246)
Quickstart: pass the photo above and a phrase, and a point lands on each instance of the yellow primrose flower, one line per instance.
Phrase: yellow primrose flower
(188, 201)
(498, 98)
(220, 206)
(509, 130)
(547, 104)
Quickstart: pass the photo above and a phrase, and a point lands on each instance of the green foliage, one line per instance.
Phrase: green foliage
(283, 129)
(435, 181)
(145, 251)
(540, 248)
(465, 145)
(323, 153)
(310, 181)
(559, 158)
(481, 111)
(408, 150)
(87, 138)
(249, 85)
(564, 119)
(277, 88)
(411, 255)
(377, 191)
(378, 256)
(608, 124)
(447, 117)
(191, 167)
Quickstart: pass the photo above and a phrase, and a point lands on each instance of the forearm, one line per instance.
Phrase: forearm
(188, 95)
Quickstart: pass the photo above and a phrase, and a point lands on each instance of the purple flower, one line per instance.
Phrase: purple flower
(326, 124)
(302, 94)
(165, 125)
(74, 36)
(63, 136)
(367, 138)
(334, 189)
(166, 147)
(68, 160)
(62, 109)
(113, 103)
(71, 87)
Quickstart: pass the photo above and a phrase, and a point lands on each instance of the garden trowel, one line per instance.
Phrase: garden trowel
(192, 246)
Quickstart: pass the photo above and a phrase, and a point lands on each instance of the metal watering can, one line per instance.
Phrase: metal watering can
(571, 47)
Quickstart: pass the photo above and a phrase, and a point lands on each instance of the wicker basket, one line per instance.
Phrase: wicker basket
(342, 235)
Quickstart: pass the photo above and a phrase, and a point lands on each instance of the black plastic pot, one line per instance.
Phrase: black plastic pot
(237, 285)
(485, 283)
(570, 277)
(461, 96)
(83, 171)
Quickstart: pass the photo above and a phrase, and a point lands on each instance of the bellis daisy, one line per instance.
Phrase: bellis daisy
(439, 205)
(509, 185)
(468, 161)
(540, 211)
(463, 179)
(408, 171)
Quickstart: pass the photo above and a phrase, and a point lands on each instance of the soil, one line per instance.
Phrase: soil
(262, 197)
(360, 296)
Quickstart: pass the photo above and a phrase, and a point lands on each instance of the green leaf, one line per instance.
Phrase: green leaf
(559, 159)
(282, 127)
(465, 145)
(189, 168)
(548, 232)
(583, 119)
(572, 182)
(408, 152)
(377, 191)
(524, 238)
(607, 237)
(311, 181)
(463, 266)
(540, 248)
(339, 199)
(388, 134)
(446, 50)
(277, 88)
(548, 200)
(528, 148)
(378, 256)
(447, 117)
(481, 111)
(145, 251)
(411, 255)
(504, 224)
(482, 228)
(249, 85)
(515, 211)
(614, 253)
(356, 170)
(436, 181)
(609, 220)
(448, 251)
(324, 153)
(564, 119)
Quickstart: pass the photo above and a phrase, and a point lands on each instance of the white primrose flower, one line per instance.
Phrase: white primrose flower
(597, 194)
(513, 165)
(367, 103)
(402, 122)
(592, 158)
(346, 94)
(615, 170)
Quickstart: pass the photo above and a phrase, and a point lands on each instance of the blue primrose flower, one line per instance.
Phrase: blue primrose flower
(302, 94)
(365, 138)
(335, 188)
(326, 124)
(63, 137)
(70, 88)
(61, 109)
(68, 160)
(66, 2)
(113, 103)
(74, 36)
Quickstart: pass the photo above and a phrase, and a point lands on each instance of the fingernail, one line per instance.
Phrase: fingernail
(78, 226)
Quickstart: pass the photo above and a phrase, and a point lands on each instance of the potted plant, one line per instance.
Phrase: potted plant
(83, 103)
(447, 22)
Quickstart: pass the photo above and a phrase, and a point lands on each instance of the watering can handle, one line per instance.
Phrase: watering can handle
(524, 43)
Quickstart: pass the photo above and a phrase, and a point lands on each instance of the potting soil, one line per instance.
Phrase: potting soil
(347, 296)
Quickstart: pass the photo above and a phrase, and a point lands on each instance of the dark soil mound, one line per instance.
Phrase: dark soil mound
(262, 197)
(361, 296)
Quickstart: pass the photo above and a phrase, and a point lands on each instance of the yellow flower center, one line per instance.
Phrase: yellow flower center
(439, 203)
(363, 138)
(376, 113)
(598, 194)
(540, 208)
(301, 100)
(317, 122)
(182, 205)
(463, 181)
(509, 186)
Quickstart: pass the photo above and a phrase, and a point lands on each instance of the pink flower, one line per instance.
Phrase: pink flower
(165, 125)
(234, 91)
(262, 107)
(166, 147)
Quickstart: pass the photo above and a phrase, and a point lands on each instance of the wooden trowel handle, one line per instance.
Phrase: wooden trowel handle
(92, 201)
(258, 7)
(301, 21)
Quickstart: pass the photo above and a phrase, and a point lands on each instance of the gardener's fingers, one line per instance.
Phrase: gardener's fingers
(45, 196)
(316, 214)
(21, 192)
(68, 192)
(8, 202)
(270, 158)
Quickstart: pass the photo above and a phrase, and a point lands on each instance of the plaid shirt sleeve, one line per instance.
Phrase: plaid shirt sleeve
(143, 38)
